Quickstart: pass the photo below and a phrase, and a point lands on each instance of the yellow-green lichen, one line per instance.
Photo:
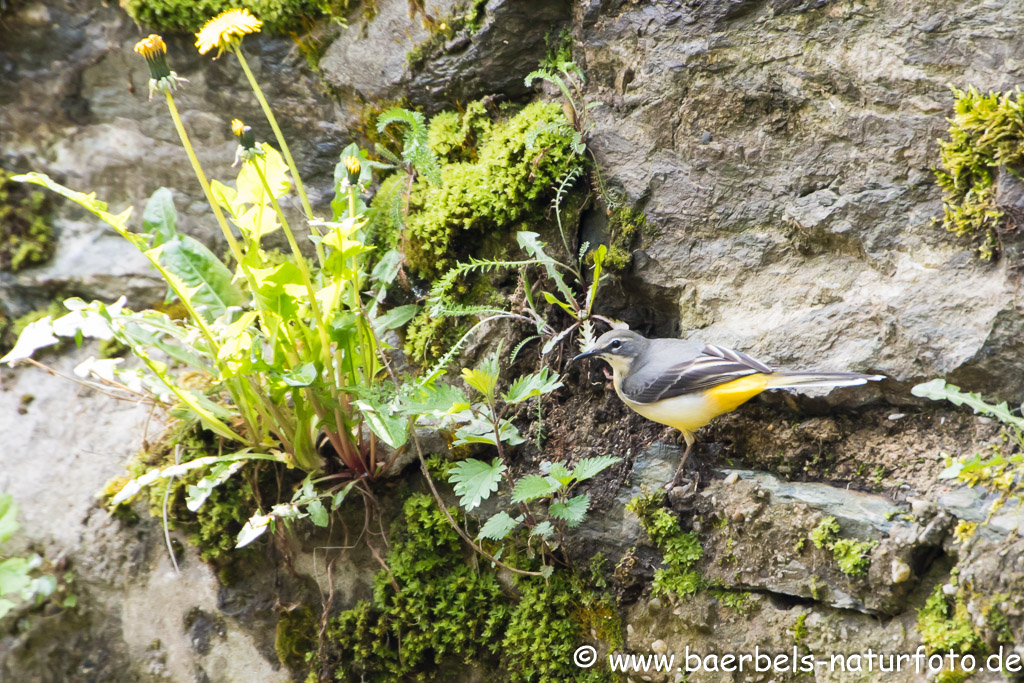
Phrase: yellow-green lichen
(26, 238)
(986, 137)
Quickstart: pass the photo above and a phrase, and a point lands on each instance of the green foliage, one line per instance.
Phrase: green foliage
(823, 535)
(475, 480)
(680, 550)
(944, 624)
(986, 136)
(1000, 472)
(448, 615)
(852, 556)
(26, 238)
(510, 181)
(281, 16)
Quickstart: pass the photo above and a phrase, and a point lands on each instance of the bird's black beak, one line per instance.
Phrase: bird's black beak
(585, 354)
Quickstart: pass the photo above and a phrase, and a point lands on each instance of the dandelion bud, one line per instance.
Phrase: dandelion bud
(154, 49)
(352, 169)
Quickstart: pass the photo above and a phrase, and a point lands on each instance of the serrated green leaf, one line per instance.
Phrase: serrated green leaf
(533, 487)
(536, 384)
(483, 378)
(591, 467)
(938, 390)
(572, 511)
(547, 570)
(437, 399)
(275, 171)
(317, 513)
(475, 480)
(560, 473)
(545, 529)
(498, 527)
(301, 376)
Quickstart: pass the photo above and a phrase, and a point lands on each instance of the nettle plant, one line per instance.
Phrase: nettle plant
(284, 358)
(484, 419)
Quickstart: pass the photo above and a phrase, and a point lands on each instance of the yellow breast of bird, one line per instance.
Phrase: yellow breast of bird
(690, 412)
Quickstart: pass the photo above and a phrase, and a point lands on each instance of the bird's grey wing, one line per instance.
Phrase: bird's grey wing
(665, 375)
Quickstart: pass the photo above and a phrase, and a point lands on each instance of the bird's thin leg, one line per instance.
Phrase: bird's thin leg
(682, 462)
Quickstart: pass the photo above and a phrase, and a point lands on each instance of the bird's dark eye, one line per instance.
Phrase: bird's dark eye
(615, 344)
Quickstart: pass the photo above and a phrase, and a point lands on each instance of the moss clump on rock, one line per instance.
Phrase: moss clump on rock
(680, 550)
(852, 556)
(944, 624)
(986, 136)
(510, 181)
(281, 16)
(26, 238)
(449, 612)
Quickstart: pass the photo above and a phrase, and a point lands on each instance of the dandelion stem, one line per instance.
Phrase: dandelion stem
(277, 130)
(236, 251)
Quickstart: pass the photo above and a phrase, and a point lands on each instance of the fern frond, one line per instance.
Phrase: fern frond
(519, 347)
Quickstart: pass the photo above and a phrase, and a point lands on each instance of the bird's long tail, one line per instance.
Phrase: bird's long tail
(787, 380)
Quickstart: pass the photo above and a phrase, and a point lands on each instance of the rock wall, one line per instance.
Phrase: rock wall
(781, 152)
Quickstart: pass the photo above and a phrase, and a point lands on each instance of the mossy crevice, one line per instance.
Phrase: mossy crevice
(278, 16)
(26, 238)
(450, 611)
(680, 550)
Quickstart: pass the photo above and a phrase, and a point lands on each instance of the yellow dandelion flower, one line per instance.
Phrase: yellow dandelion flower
(226, 29)
(150, 46)
(237, 127)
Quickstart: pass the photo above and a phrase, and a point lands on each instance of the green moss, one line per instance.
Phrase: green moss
(852, 556)
(681, 550)
(214, 527)
(280, 16)
(799, 630)
(986, 136)
(945, 625)
(738, 602)
(295, 635)
(825, 533)
(510, 181)
(26, 238)
(624, 224)
(448, 614)
(428, 338)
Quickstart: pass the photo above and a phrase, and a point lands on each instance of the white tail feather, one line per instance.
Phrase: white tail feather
(788, 380)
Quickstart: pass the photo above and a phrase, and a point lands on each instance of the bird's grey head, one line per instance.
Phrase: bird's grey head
(618, 347)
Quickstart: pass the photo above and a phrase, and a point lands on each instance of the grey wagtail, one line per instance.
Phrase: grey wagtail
(686, 384)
